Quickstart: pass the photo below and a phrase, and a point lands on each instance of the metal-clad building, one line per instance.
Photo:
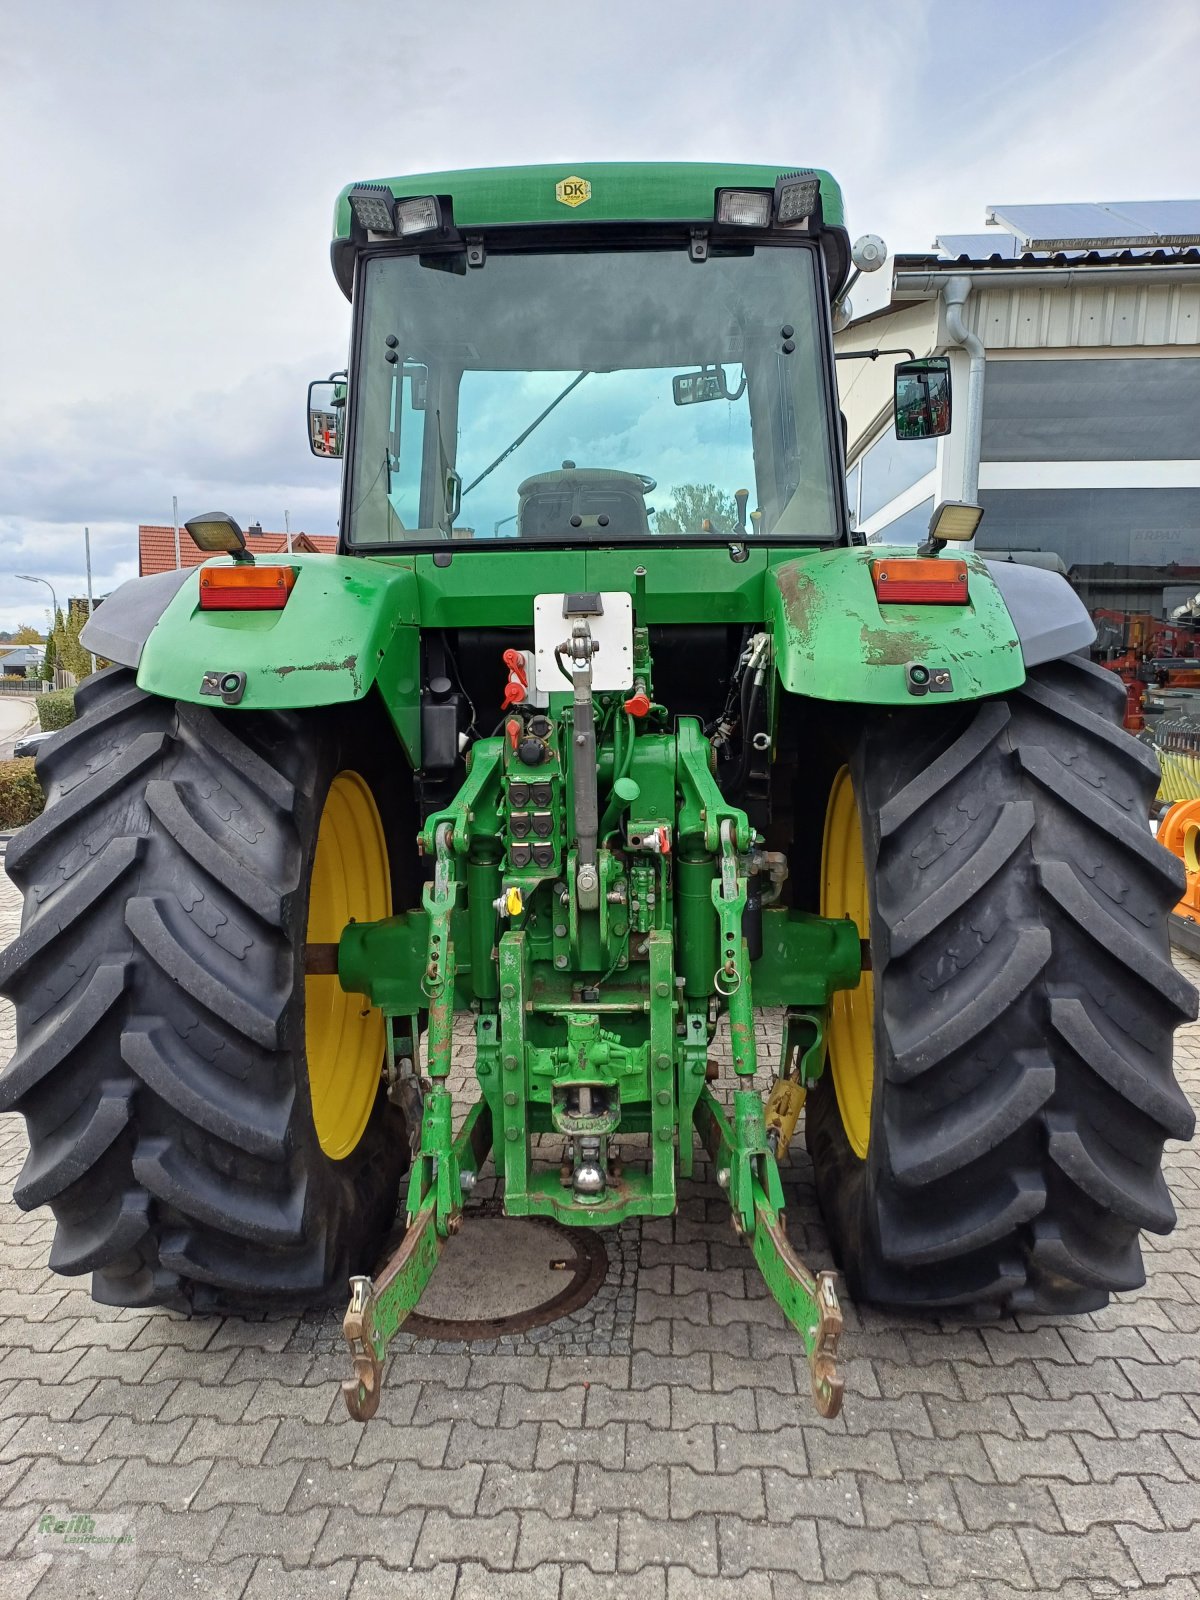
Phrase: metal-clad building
(1088, 370)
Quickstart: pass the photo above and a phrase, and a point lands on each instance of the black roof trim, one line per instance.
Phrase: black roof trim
(1060, 258)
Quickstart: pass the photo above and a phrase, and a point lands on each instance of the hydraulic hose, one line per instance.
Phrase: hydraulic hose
(756, 672)
(748, 730)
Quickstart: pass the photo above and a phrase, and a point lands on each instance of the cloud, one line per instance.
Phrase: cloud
(167, 286)
(241, 449)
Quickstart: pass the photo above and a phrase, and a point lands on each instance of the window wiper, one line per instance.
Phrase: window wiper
(521, 437)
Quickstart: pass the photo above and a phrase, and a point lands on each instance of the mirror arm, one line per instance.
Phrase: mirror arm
(454, 494)
(870, 355)
(726, 392)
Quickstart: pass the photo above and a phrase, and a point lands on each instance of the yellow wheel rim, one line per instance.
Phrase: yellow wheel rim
(343, 1035)
(851, 1037)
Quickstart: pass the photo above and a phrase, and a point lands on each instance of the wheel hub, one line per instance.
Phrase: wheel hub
(344, 1035)
(851, 1032)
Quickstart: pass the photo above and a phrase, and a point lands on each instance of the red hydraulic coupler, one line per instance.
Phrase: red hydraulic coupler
(517, 687)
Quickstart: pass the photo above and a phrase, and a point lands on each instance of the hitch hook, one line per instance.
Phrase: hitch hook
(361, 1392)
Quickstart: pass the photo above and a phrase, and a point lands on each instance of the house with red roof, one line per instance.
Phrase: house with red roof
(156, 546)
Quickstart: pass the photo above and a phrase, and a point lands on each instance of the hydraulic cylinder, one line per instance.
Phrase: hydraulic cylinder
(698, 934)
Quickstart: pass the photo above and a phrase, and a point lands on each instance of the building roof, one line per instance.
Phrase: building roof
(1003, 262)
(971, 250)
(156, 546)
(21, 655)
(1112, 231)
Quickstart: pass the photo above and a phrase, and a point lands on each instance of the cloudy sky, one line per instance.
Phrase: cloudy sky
(171, 167)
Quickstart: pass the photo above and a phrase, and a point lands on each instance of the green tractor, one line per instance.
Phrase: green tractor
(604, 728)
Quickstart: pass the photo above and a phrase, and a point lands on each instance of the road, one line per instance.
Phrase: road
(17, 716)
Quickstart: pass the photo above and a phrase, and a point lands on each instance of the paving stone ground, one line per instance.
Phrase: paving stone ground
(658, 1445)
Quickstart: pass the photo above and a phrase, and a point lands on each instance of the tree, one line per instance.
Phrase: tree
(691, 503)
(50, 660)
(26, 635)
(71, 653)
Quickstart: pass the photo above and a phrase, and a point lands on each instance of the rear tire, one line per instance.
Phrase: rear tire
(1025, 1003)
(158, 981)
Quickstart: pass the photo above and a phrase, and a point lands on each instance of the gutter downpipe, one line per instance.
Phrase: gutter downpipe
(955, 292)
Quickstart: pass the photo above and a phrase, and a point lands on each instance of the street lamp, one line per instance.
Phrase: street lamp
(25, 578)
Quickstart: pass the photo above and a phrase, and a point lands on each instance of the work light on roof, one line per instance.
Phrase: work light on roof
(420, 215)
(373, 207)
(796, 196)
(744, 208)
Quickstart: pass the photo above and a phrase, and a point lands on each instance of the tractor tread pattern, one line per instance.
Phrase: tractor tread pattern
(1025, 1003)
(149, 919)
(157, 1059)
(168, 804)
(1016, 1200)
(42, 1047)
(70, 808)
(1011, 829)
(937, 1035)
(220, 1104)
(980, 1120)
(68, 1152)
(980, 733)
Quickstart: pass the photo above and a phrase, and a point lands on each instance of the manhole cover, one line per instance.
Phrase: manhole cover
(503, 1275)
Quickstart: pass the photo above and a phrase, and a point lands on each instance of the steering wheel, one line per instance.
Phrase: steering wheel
(647, 483)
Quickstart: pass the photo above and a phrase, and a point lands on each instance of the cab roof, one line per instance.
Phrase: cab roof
(583, 192)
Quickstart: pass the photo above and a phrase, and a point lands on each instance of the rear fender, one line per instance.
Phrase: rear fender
(348, 624)
(834, 641)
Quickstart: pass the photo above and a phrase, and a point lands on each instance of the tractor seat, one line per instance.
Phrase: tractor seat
(549, 500)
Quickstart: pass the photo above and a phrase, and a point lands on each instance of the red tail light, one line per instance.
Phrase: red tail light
(245, 588)
(920, 581)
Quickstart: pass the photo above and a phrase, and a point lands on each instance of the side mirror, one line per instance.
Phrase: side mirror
(326, 417)
(923, 398)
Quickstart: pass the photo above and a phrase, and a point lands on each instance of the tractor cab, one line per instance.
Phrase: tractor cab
(680, 341)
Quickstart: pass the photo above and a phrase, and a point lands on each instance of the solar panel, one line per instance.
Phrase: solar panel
(978, 246)
(1123, 224)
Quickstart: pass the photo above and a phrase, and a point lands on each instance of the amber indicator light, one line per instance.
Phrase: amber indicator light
(245, 588)
(920, 581)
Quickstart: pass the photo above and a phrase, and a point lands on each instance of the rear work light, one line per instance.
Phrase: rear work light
(744, 208)
(245, 588)
(920, 581)
(420, 215)
(373, 207)
(796, 196)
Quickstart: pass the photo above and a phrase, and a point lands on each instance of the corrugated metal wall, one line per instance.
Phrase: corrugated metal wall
(1086, 316)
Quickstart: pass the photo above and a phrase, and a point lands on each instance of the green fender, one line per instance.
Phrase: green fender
(834, 641)
(347, 624)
